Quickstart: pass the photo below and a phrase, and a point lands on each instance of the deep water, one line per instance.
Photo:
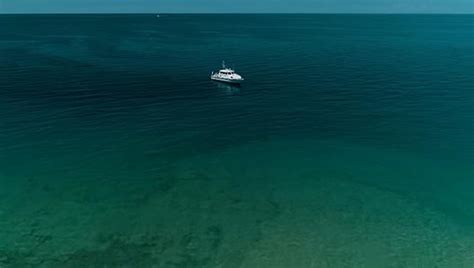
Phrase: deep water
(350, 144)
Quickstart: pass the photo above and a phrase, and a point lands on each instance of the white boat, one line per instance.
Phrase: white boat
(227, 75)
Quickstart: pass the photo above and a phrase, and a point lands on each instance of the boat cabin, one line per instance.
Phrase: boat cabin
(227, 71)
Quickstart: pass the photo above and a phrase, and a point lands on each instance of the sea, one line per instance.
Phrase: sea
(349, 144)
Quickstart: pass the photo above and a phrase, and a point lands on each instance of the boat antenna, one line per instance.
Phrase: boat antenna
(223, 64)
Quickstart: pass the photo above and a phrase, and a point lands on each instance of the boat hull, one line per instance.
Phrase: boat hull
(229, 81)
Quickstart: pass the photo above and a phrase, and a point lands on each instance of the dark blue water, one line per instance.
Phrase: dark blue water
(350, 142)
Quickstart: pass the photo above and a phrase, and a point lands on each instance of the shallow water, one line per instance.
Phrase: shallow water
(350, 144)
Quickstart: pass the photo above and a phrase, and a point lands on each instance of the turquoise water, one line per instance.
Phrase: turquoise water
(350, 144)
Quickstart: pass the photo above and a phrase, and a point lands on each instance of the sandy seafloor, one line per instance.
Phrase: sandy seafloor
(276, 214)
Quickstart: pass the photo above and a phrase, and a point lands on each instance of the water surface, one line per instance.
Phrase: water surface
(350, 143)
